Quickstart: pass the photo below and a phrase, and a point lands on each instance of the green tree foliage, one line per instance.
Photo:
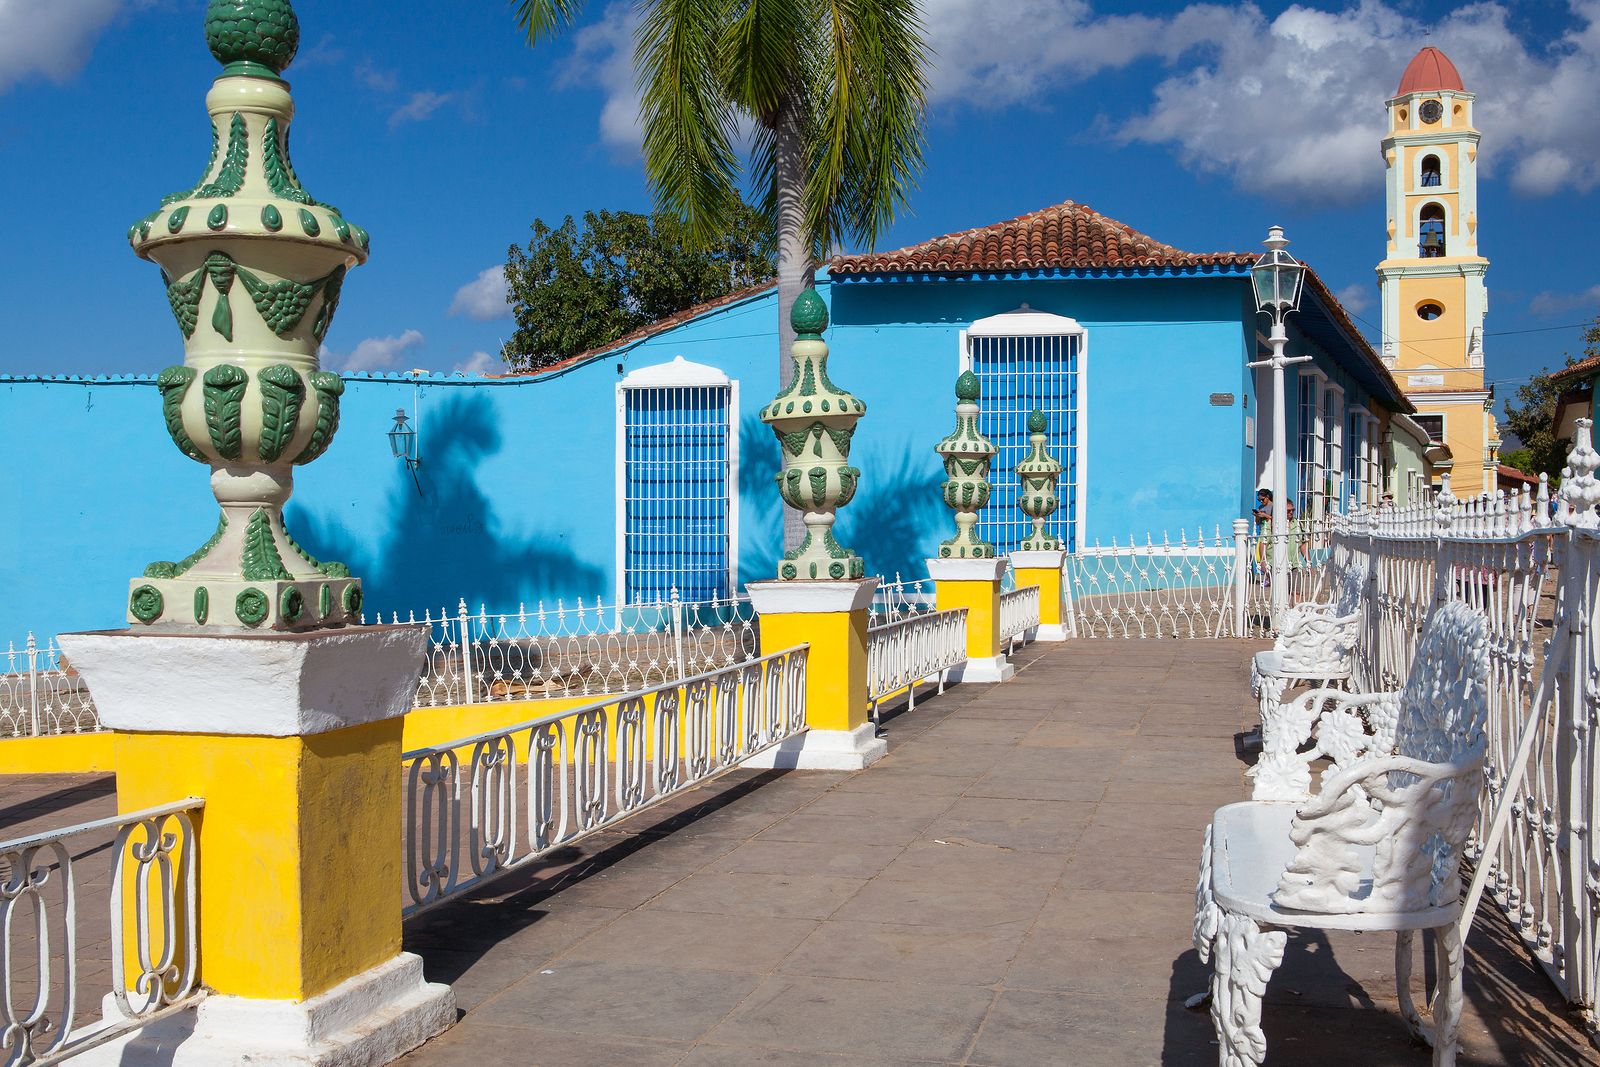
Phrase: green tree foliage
(1532, 416)
(577, 287)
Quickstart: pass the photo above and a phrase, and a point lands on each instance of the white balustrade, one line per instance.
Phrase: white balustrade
(1019, 614)
(914, 649)
(39, 694)
(588, 649)
(581, 770)
(1199, 585)
(153, 962)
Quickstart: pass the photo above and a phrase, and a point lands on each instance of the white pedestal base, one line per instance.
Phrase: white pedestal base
(984, 669)
(371, 1019)
(825, 750)
(1050, 631)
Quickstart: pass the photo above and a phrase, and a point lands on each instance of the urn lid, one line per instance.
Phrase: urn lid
(1039, 460)
(812, 395)
(249, 187)
(965, 440)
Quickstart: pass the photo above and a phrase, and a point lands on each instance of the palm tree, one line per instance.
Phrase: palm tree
(834, 92)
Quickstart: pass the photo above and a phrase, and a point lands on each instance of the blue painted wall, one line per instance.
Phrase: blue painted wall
(518, 477)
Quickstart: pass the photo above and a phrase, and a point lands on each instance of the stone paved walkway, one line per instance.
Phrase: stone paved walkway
(1013, 885)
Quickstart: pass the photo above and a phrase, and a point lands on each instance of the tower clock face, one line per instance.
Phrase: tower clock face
(1430, 111)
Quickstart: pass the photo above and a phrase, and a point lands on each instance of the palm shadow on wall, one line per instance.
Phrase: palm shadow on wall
(761, 525)
(446, 542)
(893, 522)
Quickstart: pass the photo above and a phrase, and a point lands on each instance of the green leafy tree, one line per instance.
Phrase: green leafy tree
(574, 288)
(1532, 417)
(833, 92)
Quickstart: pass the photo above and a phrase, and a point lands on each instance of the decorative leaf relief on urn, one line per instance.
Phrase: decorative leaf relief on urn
(814, 420)
(967, 454)
(1039, 472)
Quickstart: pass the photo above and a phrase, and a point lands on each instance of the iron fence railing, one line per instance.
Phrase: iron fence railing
(41, 694)
(152, 902)
(582, 770)
(587, 649)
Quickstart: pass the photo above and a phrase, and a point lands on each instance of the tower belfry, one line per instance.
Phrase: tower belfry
(1432, 274)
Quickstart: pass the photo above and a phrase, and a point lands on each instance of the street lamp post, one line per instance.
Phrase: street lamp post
(1278, 277)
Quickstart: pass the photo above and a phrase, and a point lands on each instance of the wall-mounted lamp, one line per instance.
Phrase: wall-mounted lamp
(403, 444)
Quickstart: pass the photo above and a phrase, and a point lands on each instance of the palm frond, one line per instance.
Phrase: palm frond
(543, 19)
(764, 46)
(869, 100)
(688, 119)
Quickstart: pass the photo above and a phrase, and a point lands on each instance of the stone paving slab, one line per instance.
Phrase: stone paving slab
(1012, 887)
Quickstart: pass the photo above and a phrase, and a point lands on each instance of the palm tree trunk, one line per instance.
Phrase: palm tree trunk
(794, 255)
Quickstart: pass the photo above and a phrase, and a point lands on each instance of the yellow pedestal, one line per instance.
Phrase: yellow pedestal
(300, 850)
(974, 584)
(831, 619)
(1043, 569)
(293, 741)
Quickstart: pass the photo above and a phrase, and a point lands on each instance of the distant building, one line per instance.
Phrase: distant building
(1432, 276)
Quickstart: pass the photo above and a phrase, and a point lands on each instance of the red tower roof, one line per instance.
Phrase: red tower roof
(1429, 70)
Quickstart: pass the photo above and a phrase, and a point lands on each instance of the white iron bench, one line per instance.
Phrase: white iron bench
(1378, 848)
(1313, 646)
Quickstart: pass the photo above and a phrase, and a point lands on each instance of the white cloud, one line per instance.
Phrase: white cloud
(481, 363)
(484, 297)
(1290, 106)
(377, 353)
(603, 56)
(51, 38)
(1553, 303)
(419, 107)
(1356, 297)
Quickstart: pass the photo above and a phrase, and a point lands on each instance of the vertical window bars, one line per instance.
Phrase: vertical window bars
(1020, 374)
(677, 482)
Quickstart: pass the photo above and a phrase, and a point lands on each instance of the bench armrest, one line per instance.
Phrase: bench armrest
(1410, 816)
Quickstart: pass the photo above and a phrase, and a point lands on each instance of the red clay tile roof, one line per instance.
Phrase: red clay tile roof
(675, 319)
(1429, 70)
(1067, 235)
(1584, 368)
(1512, 474)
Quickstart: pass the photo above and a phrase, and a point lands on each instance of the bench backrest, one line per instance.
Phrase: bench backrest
(1419, 818)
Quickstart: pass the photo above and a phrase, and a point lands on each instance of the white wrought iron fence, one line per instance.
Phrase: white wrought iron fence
(914, 649)
(1019, 614)
(1199, 585)
(900, 599)
(153, 960)
(585, 769)
(41, 694)
(589, 649)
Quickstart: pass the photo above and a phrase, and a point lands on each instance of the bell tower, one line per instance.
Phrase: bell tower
(1432, 275)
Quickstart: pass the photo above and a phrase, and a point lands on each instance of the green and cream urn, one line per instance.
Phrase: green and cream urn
(253, 266)
(814, 420)
(967, 454)
(1039, 473)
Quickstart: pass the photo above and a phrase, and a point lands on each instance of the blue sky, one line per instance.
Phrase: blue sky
(438, 129)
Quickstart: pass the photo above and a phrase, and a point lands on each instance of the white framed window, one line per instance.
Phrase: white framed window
(1329, 495)
(1355, 458)
(677, 475)
(1028, 360)
(1311, 455)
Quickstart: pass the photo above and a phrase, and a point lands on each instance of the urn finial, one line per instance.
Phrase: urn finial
(967, 454)
(814, 421)
(1039, 473)
(253, 267)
